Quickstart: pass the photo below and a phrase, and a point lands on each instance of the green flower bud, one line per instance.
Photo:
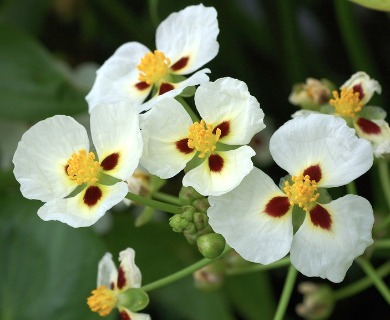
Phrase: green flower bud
(201, 204)
(200, 220)
(188, 213)
(190, 229)
(188, 194)
(211, 245)
(134, 299)
(178, 224)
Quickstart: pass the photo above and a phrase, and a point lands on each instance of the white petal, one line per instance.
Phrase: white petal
(191, 32)
(228, 100)
(107, 273)
(322, 140)
(376, 131)
(132, 274)
(198, 77)
(239, 216)
(117, 77)
(303, 113)
(329, 254)
(134, 315)
(165, 124)
(368, 86)
(42, 154)
(236, 165)
(74, 212)
(115, 130)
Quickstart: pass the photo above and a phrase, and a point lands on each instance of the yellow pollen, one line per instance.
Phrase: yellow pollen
(302, 191)
(153, 67)
(102, 301)
(347, 103)
(83, 168)
(202, 138)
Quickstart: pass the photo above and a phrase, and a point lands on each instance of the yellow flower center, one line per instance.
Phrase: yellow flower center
(202, 138)
(347, 103)
(302, 191)
(82, 167)
(153, 67)
(102, 301)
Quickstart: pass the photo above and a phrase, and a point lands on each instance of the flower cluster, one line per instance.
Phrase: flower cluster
(139, 118)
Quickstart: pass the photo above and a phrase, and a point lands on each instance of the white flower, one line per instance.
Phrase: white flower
(230, 117)
(362, 83)
(318, 151)
(185, 41)
(112, 285)
(53, 161)
(377, 132)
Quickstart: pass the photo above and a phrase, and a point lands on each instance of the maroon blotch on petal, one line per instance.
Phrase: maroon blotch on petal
(215, 163)
(224, 127)
(314, 172)
(320, 217)
(110, 161)
(121, 278)
(124, 315)
(142, 85)
(182, 146)
(358, 88)
(277, 206)
(368, 126)
(165, 87)
(92, 195)
(180, 64)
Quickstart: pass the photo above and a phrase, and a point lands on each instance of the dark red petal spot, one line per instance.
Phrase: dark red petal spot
(277, 206)
(180, 64)
(358, 88)
(165, 87)
(142, 85)
(66, 169)
(121, 278)
(112, 285)
(182, 146)
(321, 217)
(314, 172)
(110, 161)
(124, 315)
(215, 162)
(224, 127)
(368, 126)
(92, 195)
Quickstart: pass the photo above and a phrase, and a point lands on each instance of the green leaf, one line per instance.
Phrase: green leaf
(48, 269)
(32, 84)
(381, 5)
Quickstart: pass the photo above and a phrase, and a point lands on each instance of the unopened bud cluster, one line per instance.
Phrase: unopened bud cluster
(193, 222)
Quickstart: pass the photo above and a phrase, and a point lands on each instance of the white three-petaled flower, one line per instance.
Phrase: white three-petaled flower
(230, 117)
(185, 41)
(318, 151)
(111, 283)
(53, 158)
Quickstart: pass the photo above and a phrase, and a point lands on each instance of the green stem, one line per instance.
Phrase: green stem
(189, 110)
(153, 12)
(286, 293)
(378, 282)
(166, 198)
(351, 188)
(153, 203)
(362, 284)
(278, 264)
(384, 177)
(182, 273)
(382, 244)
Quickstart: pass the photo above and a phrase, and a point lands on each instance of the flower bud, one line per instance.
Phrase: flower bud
(211, 245)
(317, 303)
(178, 224)
(188, 194)
(188, 213)
(200, 220)
(201, 204)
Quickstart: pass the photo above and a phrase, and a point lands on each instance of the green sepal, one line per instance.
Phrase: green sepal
(107, 180)
(372, 113)
(324, 196)
(327, 109)
(188, 92)
(134, 299)
(298, 216)
(283, 180)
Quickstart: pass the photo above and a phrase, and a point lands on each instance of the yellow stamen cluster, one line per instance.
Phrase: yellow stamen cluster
(347, 103)
(153, 67)
(83, 168)
(202, 138)
(302, 191)
(102, 301)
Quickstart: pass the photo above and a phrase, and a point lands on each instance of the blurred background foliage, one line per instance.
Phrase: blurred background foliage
(49, 51)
